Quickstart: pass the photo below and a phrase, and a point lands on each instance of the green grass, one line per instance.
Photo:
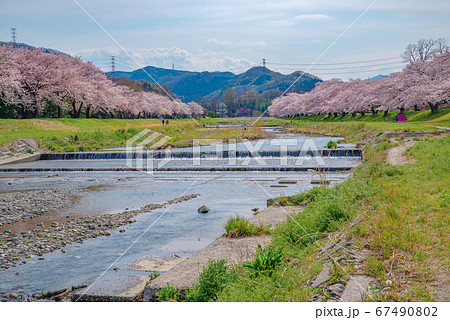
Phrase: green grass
(168, 293)
(331, 144)
(241, 227)
(70, 135)
(211, 281)
(403, 214)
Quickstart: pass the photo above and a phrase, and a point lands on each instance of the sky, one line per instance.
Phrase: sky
(232, 35)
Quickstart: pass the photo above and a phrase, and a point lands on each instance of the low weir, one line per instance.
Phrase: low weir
(226, 154)
(195, 169)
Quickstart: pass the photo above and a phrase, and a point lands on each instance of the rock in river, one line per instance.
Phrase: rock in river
(203, 209)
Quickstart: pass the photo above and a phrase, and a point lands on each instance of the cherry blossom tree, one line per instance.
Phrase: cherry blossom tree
(420, 82)
(9, 75)
(37, 77)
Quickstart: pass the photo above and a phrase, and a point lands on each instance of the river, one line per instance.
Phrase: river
(176, 229)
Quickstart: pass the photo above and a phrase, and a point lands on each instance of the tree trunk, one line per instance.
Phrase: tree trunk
(59, 112)
(36, 112)
(88, 112)
(434, 107)
(23, 113)
(74, 109)
(373, 110)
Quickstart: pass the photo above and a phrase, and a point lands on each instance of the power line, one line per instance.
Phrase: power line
(346, 68)
(332, 64)
(353, 72)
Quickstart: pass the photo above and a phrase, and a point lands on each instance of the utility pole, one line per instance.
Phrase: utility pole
(113, 64)
(13, 35)
(264, 63)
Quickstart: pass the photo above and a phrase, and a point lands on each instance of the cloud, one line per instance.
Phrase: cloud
(164, 57)
(219, 42)
(312, 17)
(242, 43)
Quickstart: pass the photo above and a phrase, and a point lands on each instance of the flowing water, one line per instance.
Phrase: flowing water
(177, 229)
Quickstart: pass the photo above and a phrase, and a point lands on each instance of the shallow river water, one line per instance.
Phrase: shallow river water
(178, 228)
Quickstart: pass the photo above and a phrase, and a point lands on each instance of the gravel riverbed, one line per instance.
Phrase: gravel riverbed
(21, 205)
(15, 248)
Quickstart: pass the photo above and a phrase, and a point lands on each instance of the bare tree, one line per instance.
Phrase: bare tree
(441, 45)
(424, 49)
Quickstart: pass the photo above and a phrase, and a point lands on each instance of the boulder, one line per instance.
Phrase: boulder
(203, 209)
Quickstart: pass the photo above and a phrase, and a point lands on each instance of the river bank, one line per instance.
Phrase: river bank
(388, 221)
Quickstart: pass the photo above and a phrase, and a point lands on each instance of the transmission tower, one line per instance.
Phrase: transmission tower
(264, 63)
(113, 64)
(13, 35)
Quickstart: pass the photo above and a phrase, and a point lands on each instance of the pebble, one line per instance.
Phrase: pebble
(37, 242)
(20, 205)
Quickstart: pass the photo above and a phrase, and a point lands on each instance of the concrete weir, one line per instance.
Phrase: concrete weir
(226, 154)
(199, 169)
(21, 159)
(184, 274)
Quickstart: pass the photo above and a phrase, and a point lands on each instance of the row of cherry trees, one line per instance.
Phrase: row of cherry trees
(419, 83)
(31, 79)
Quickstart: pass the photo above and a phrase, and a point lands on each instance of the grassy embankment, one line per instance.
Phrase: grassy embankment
(398, 213)
(92, 134)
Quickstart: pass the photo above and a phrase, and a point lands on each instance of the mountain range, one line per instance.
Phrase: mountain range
(198, 86)
(207, 86)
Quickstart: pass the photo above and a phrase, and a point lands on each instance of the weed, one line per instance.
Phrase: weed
(211, 281)
(266, 260)
(374, 267)
(331, 144)
(306, 197)
(168, 293)
(152, 277)
(241, 227)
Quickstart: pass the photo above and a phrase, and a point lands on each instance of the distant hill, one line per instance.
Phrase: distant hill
(196, 86)
(27, 46)
(378, 77)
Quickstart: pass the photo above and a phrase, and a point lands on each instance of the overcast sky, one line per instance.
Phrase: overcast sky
(230, 35)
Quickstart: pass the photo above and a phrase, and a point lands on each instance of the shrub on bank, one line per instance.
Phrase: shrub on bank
(211, 282)
(240, 227)
(168, 293)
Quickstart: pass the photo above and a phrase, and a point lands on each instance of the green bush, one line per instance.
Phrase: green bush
(168, 293)
(266, 260)
(391, 171)
(306, 197)
(211, 281)
(241, 227)
(331, 144)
